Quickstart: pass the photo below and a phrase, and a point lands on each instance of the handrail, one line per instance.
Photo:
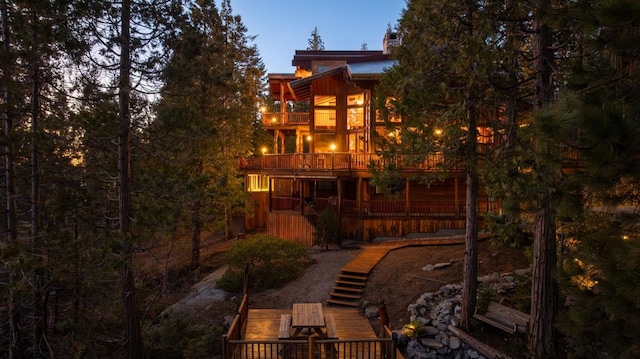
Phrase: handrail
(382, 348)
(340, 161)
(419, 207)
(270, 119)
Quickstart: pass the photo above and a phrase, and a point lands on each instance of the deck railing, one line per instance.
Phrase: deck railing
(270, 119)
(374, 348)
(234, 347)
(337, 161)
(381, 208)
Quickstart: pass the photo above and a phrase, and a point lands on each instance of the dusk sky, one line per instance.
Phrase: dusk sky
(283, 26)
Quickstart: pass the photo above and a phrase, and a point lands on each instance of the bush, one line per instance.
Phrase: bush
(484, 297)
(180, 338)
(271, 261)
(326, 232)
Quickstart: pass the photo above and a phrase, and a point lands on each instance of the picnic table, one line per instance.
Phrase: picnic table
(309, 316)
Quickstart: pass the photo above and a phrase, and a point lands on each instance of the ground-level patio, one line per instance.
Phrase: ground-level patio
(257, 333)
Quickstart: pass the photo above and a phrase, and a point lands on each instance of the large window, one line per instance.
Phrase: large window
(257, 183)
(324, 113)
(355, 111)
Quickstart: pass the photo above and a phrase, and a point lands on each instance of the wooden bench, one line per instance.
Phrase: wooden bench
(505, 318)
(284, 332)
(332, 330)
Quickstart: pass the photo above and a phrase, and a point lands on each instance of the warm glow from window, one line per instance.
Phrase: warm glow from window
(257, 183)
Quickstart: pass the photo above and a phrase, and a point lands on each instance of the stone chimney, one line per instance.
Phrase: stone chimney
(390, 40)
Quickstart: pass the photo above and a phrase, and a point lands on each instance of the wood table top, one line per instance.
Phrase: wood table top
(307, 315)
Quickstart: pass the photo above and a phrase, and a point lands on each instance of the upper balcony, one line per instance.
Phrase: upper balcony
(341, 162)
(285, 119)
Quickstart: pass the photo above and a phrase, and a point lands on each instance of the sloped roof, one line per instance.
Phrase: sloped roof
(305, 58)
(300, 89)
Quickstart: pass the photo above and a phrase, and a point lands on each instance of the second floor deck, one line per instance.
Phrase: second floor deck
(343, 162)
(285, 119)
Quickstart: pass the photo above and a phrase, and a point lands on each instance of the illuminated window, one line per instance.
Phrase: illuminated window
(355, 111)
(485, 135)
(257, 183)
(392, 112)
(324, 113)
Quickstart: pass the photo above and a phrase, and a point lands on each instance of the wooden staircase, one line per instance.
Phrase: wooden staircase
(349, 286)
(348, 289)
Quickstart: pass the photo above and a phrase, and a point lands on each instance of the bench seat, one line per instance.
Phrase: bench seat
(332, 330)
(284, 331)
(503, 317)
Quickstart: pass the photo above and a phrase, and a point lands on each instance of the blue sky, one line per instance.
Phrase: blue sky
(283, 26)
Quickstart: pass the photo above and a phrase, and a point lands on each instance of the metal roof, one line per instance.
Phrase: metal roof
(301, 88)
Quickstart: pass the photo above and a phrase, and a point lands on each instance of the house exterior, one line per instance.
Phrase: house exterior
(323, 144)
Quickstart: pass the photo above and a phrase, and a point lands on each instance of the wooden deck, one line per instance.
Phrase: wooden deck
(263, 324)
(355, 339)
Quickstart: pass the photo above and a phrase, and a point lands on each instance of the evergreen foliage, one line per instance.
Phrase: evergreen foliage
(272, 262)
(315, 41)
(178, 338)
(326, 229)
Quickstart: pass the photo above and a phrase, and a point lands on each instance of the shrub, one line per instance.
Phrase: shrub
(484, 297)
(326, 232)
(271, 261)
(181, 338)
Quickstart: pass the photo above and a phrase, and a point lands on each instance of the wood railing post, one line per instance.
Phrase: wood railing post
(311, 348)
(382, 314)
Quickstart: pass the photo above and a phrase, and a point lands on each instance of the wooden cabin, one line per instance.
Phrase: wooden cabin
(323, 145)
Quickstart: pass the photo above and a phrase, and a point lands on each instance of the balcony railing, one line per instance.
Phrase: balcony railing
(434, 207)
(339, 162)
(270, 119)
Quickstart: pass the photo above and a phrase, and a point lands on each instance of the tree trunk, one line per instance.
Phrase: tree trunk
(470, 272)
(543, 288)
(7, 117)
(134, 345)
(197, 227)
(195, 239)
(38, 311)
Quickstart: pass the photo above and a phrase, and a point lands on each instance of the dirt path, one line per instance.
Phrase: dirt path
(399, 278)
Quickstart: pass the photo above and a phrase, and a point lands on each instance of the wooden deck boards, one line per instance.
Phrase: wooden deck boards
(373, 253)
(263, 324)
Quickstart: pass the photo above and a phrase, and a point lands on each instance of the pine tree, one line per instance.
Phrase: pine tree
(440, 89)
(208, 108)
(600, 223)
(315, 41)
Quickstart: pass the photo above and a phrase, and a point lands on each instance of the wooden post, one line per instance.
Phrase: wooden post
(382, 314)
(310, 351)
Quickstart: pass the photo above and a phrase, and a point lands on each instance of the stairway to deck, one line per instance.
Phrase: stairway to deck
(349, 286)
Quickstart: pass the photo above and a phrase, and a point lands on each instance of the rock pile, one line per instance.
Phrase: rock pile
(427, 337)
